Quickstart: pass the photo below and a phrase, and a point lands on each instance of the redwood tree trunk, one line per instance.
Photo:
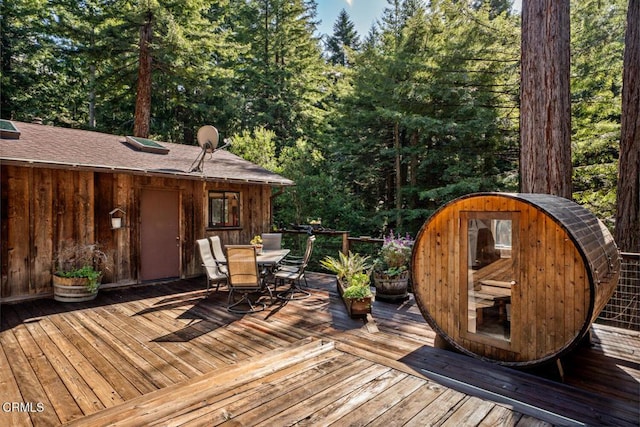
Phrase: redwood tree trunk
(143, 95)
(398, 165)
(545, 104)
(627, 230)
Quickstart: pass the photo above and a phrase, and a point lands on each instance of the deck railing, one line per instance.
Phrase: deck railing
(623, 309)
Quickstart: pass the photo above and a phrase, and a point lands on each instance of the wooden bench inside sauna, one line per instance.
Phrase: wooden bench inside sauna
(516, 279)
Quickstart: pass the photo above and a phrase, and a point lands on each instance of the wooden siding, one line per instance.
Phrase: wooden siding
(553, 301)
(41, 207)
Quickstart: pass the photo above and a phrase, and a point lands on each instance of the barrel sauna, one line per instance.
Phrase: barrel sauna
(516, 279)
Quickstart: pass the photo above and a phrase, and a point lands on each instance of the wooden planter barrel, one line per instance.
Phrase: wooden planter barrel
(391, 288)
(515, 279)
(72, 289)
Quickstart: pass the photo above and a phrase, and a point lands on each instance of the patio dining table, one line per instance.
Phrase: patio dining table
(271, 258)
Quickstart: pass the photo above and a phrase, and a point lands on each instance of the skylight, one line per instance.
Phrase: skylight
(146, 145)
(8, 130)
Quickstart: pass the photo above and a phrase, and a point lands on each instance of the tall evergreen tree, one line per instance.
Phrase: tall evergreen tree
(597, 45)
(282, 76)
(177, 38)
(33, 78)
(344, 40)
(496, 7)
(545, 125)
(628, 205)
(430, 110)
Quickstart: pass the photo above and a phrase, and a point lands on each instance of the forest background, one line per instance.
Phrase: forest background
(378, 130)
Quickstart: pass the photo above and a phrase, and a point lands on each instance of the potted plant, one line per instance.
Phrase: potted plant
(353, 280)
(391, 268)
(78, 270)
(257, 242)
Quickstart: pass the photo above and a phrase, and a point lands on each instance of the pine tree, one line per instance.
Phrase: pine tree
(30, 64)
(597, 45)
(281, 78)
(179, 39)
(432, 110)
(496, 7)
(344, 40)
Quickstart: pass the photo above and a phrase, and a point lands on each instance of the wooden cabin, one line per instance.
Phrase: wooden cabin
(516, 279)
(60, 184)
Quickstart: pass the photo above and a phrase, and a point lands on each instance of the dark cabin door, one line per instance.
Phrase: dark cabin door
(159, 234)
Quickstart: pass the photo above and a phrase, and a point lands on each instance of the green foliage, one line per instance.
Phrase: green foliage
(86, 272)
(424, 110)
(597, 34)
(258, 147)
(347, 266)
(433, 106)
(82, 260)
(344, 41)
(281, 77)
(358, 287)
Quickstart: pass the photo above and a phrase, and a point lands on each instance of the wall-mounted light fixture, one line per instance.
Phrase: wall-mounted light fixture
(117, 218)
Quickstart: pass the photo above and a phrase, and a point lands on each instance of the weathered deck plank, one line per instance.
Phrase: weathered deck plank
(141, 350)
(161, 403)
(220, 407)
(10, 392)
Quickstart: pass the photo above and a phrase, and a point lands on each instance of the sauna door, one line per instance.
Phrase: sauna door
(489, 258)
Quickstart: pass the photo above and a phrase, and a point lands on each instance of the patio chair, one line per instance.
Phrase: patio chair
(214, 275)
(293, 272)
(218, 253)
(293, 262)
(271, 241)
(244, 279)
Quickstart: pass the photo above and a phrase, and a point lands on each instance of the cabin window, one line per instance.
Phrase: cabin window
(224, 209)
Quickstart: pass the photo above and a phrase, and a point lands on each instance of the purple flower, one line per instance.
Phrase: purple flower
(395, 254)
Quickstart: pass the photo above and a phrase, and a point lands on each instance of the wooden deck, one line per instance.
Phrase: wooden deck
(166, 355)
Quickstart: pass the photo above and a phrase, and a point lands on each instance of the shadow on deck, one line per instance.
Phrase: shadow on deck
(167, 354)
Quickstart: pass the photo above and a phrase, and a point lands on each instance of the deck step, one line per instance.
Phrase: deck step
(167, 402)
(532, 395)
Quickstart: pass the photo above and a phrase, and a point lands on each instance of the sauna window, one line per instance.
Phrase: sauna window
(224, 209)
(490, 275)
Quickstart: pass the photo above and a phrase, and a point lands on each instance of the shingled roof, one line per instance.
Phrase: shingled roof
(56, 147)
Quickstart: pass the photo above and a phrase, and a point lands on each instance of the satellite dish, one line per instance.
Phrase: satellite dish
(208, 138)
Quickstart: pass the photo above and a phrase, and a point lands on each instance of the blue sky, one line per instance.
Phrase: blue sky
(363, 13)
